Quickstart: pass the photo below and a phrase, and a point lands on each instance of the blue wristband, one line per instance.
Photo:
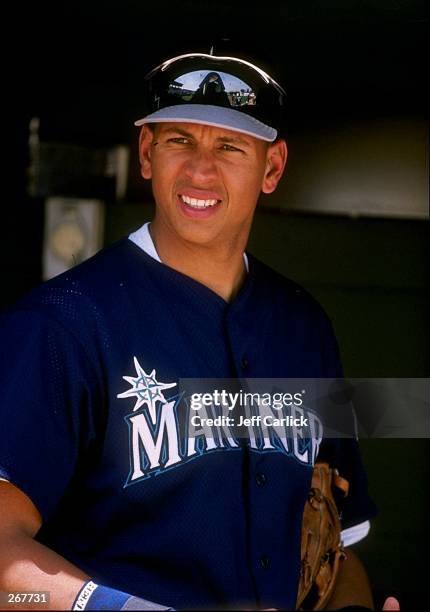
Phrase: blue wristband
(94, 596)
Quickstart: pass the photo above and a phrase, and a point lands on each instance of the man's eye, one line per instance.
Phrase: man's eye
(179, 140)
(227, 147)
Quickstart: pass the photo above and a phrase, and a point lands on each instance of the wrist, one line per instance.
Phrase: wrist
(93, 596)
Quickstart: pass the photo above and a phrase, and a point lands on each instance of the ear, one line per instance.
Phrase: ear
(145, 141)
(276, 159)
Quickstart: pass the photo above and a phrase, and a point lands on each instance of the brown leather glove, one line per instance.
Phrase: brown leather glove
(321, 547)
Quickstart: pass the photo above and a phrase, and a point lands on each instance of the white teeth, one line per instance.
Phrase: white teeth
(198, 203)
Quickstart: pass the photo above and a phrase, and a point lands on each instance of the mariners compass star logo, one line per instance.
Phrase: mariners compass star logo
(146, 389)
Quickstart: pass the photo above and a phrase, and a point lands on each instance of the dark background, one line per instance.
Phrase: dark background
(78, 67)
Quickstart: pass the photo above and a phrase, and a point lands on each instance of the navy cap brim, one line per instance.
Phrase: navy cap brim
(216, 116)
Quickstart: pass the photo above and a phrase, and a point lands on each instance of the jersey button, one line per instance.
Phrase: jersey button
(260, 479)
(264, 562)
(244, 363)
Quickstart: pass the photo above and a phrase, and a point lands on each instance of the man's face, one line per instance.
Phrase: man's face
(206, 180)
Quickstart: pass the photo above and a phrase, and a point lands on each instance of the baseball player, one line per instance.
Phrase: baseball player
(111, 497)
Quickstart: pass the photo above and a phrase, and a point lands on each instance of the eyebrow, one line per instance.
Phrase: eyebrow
(174, 130)
(234, 140)
(224, 139)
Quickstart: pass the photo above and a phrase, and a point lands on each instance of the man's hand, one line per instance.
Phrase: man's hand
(391, 603)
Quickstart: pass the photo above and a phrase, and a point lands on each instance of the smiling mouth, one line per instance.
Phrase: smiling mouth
(196, 203)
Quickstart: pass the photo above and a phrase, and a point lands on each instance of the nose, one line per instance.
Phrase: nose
(201, 166)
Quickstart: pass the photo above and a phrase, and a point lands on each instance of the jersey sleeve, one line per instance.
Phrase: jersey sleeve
(344, 454)
(47, 396)
(357, 507)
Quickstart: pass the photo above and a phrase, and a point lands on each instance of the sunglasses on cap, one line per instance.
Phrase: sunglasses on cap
(225, 92)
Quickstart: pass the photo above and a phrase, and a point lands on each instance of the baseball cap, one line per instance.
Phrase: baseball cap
(226, 92)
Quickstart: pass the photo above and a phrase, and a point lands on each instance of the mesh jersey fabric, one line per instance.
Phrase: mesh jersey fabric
(191, 530)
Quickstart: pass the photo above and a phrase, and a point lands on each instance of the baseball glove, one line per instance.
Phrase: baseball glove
(321, 546)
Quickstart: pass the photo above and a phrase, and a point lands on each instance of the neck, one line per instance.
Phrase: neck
(220, 267)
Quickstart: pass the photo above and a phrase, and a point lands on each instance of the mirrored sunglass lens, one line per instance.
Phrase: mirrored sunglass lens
(211, 87)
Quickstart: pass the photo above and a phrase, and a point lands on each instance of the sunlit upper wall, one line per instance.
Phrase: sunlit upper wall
(366, 167)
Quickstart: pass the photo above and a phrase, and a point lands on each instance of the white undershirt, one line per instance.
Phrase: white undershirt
(355, 533)
(142, 238)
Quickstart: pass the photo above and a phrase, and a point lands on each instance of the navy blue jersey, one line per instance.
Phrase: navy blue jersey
(89, 367)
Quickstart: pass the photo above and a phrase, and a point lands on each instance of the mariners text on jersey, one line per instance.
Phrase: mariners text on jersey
(157, 442)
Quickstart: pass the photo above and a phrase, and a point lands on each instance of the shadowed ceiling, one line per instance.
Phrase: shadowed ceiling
(78, 65)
